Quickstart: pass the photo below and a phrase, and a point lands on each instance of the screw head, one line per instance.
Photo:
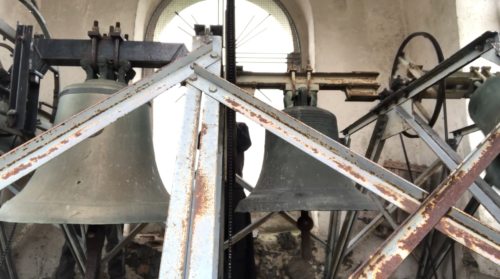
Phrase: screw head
(214, 55)
(193, 77)
(212, 88)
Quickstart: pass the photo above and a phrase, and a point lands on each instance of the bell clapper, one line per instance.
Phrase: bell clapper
(305, 224)
(95, 241)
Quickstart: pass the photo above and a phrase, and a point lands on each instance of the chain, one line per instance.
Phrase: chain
(231, 125)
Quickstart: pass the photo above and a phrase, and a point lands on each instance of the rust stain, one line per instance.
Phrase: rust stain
(202, 202)
(470, 242)
(381, 265)
(233, 103)
(41, 156)
(408, 205)
(16, 170)
(349, 169)
(204, 129)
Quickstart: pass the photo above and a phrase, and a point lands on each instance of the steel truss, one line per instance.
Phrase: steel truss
(193, 237)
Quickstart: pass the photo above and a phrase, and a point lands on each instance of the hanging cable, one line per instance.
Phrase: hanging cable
(406, 158)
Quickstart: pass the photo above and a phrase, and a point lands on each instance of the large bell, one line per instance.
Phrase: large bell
(109, 178)
(484, 111)
(293, 180)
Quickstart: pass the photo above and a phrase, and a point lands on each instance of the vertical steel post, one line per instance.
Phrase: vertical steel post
(205, 243)
(193, 219)
(395, 249)
(174, 255)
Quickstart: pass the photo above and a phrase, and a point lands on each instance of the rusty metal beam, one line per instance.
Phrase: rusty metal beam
(460, 227)
(206, 207)
(177, 232)
(481, 190)
(358, 86)
(401, 243)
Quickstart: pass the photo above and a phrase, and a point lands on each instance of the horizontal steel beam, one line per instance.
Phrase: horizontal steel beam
(139, 54)
(358, 86)
(386, 259)
(461, 227)
(38, 151)
(464, 56)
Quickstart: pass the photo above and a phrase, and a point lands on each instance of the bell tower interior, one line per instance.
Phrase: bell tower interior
(364, 145)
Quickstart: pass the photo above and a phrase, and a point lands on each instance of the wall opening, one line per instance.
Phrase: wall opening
(264, 36)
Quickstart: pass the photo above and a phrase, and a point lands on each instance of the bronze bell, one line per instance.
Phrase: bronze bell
(484, 111)
(293, 180)
(109, 178)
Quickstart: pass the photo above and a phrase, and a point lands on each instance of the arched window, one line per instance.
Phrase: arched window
(265, 36)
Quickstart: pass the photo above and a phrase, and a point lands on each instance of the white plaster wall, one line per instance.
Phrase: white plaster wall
(71, 19)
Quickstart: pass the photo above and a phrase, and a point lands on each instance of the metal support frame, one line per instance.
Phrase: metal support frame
(75, 247)
(111, 254)
(481, 190)
(400, 244)
(198, 193)
(482, 46)
(194, 212)
(461, 227)
(373, 152)
(20, 82)
(357, 86)
(5, 243)
(248, 229)
(57, 52)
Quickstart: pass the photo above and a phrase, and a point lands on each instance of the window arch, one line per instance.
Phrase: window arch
(166, 11)
(264, 36)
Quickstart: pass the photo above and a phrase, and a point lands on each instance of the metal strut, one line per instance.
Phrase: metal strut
(366, 173)
(189, 254)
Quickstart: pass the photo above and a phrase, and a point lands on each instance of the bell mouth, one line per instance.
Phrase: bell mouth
(56, 213)
(304, 199)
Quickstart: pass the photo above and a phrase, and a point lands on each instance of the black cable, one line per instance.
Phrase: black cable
(453, 264)
(38, 17)
(6, 46)
(441, 85)
(406, 158)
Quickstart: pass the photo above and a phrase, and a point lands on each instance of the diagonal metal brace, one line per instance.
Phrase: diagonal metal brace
(461, 227)
(480, 189)
(394, 250)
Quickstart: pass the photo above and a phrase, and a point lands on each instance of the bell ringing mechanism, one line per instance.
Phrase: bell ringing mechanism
(95, 168)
